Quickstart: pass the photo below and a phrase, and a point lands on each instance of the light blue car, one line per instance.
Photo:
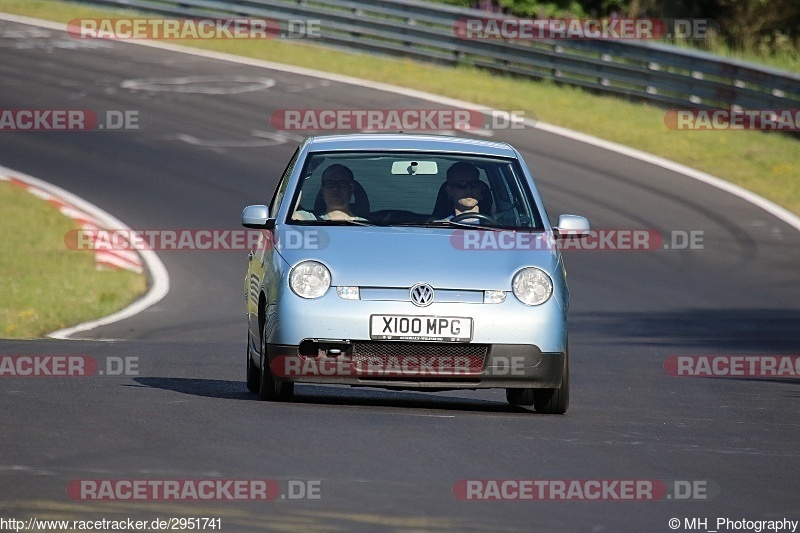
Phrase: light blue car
(408, 262)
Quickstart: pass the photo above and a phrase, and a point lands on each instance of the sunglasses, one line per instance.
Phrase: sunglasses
(467, 184)
(340, 184)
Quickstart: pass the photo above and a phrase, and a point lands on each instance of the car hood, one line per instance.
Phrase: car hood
(401, 256)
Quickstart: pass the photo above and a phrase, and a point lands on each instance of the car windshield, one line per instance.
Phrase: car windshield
(413, 189)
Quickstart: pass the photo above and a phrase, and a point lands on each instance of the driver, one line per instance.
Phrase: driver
(465, 189)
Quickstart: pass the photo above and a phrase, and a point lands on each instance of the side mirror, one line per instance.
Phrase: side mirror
(572, 226)
(257, 217)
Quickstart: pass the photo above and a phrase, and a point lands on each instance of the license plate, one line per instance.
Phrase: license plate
(420, 328)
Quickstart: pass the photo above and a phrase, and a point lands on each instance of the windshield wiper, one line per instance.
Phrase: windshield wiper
(331, 223)
(345, 223)
(444, 224)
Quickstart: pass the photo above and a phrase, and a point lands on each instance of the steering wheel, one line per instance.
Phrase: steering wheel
(480, 216)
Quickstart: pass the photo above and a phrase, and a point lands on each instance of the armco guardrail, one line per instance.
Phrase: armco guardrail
(426, 31)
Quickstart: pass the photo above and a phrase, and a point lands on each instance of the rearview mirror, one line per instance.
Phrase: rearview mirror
(412, 168)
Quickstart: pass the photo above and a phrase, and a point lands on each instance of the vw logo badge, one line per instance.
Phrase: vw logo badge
(421, 295)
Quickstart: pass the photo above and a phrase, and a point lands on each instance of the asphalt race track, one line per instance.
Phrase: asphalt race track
(387, 460)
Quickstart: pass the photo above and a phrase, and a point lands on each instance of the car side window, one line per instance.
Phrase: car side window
(280, 190)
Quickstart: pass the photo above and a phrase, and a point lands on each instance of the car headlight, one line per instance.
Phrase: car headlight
(532, 286)
(310, 279)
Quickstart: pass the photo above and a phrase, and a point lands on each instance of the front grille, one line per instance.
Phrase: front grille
(418, 358)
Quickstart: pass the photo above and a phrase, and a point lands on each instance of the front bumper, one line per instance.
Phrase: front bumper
(403, 365)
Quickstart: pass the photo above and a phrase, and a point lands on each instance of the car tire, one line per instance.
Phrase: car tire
(253, 378)
(554, 401)
(269, 388)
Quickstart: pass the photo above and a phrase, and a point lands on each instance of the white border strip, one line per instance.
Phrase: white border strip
(156, 269)
(767, 205)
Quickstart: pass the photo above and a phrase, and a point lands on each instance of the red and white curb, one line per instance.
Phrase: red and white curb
(89, 216)
(126, 259)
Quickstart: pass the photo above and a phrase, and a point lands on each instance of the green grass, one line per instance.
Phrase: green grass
(43, 285)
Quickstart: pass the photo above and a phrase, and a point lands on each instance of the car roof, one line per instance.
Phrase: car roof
(408, 142)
